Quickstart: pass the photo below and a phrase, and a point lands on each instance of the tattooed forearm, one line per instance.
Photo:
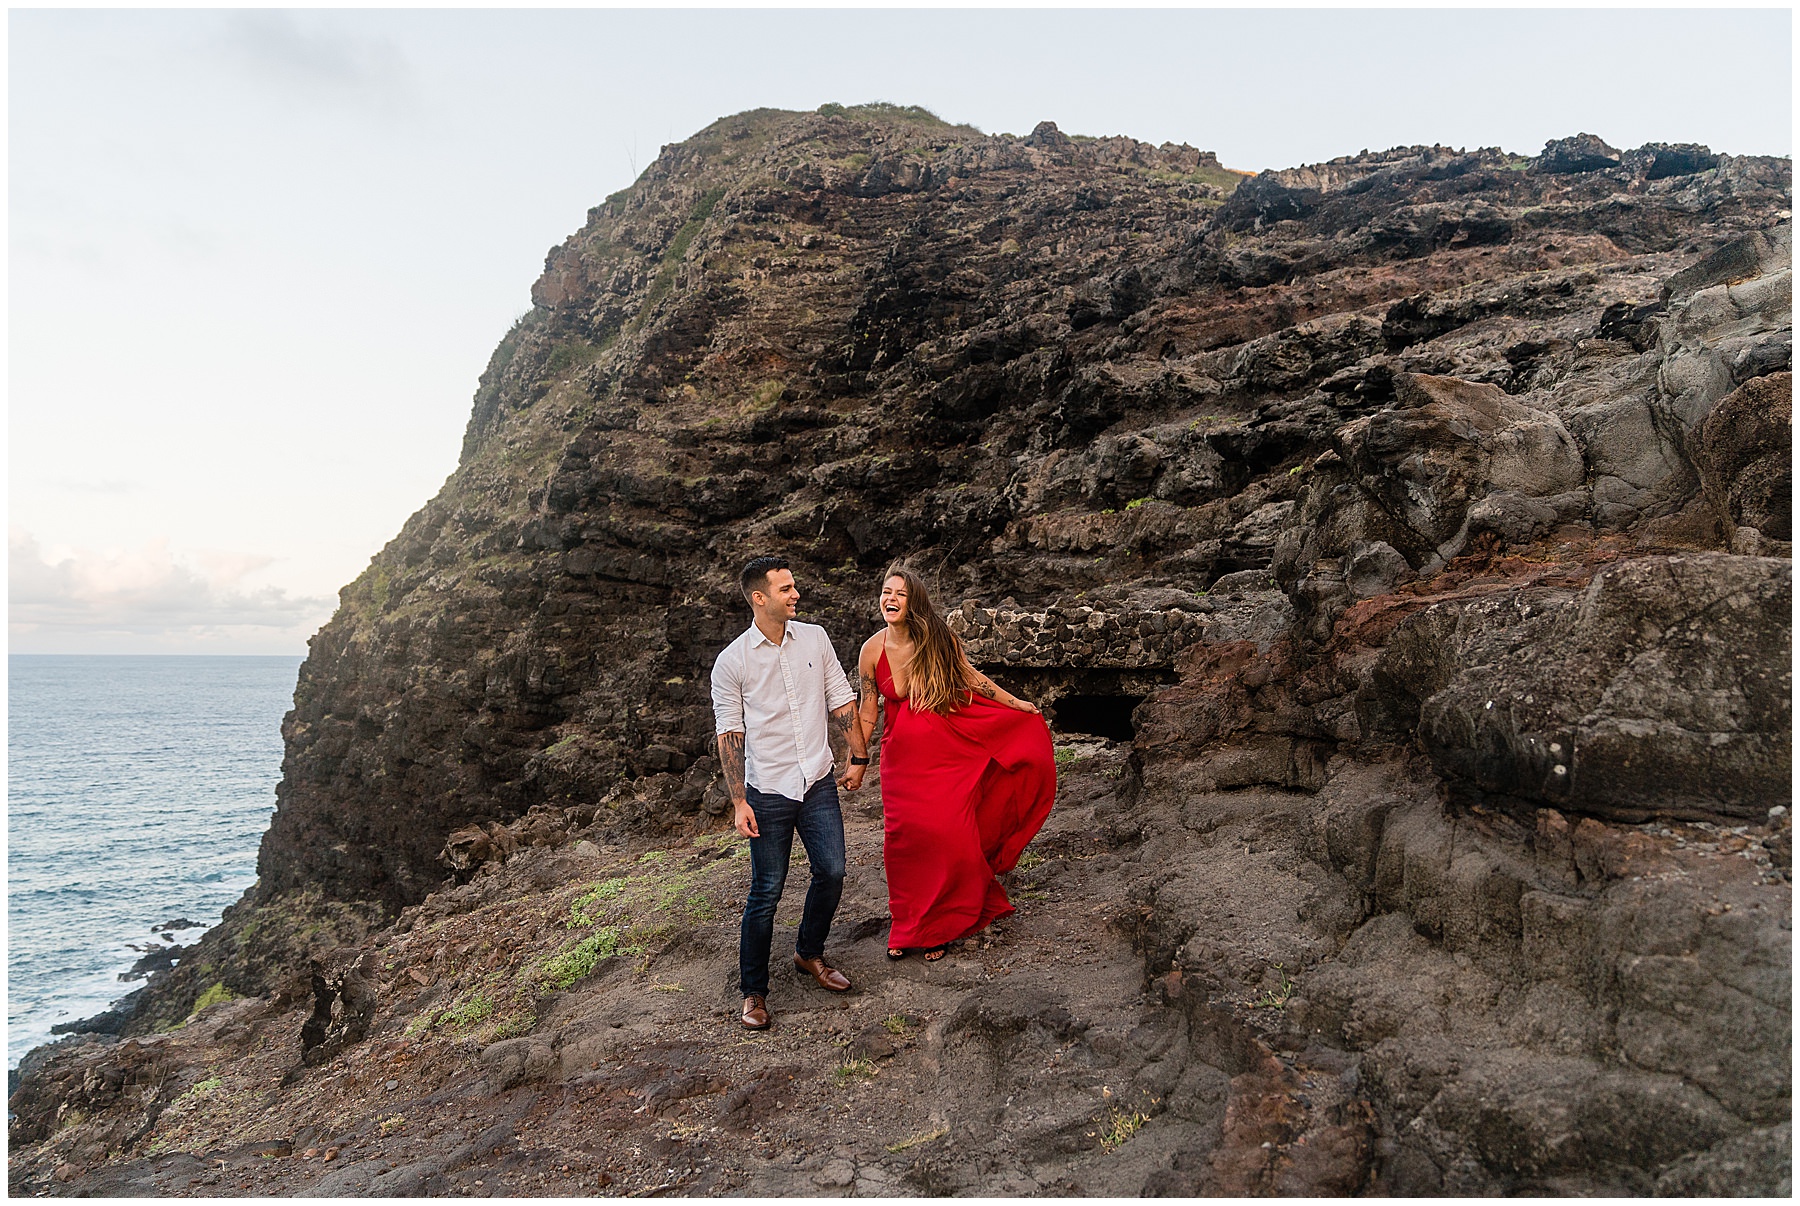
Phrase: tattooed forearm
(868, 710)
(984, 686)
(837, 731)
(844, 734)
(731, 761)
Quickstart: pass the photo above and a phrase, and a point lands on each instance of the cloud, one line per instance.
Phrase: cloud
(147, 591)
(316, 57)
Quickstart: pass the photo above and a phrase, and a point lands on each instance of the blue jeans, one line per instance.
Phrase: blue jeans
(820, 825)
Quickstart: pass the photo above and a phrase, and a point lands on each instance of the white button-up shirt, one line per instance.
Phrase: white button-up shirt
(779, 696)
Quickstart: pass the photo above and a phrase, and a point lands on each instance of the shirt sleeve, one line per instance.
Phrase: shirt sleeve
(838, 690)
(728, 693)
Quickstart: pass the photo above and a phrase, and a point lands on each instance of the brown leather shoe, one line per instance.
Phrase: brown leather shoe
(756, 1014)
(828, 977)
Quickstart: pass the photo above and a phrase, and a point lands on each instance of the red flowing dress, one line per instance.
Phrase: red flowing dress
(963, 794)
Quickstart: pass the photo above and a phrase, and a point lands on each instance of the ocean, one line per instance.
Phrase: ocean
(139, 789)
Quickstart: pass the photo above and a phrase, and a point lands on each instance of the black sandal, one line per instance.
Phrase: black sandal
(935, 953)
(896, 953)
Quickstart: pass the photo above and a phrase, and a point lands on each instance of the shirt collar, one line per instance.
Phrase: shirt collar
(757, 638)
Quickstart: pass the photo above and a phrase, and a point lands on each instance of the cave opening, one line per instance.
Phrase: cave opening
(1107, 716)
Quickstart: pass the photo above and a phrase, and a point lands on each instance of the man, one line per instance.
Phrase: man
(785, 714)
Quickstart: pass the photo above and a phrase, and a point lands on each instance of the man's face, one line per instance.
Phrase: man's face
(782, 598)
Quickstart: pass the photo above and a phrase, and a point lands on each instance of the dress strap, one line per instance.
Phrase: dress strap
(884, 675)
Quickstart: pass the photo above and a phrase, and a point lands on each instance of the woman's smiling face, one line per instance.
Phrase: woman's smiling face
(893, 600)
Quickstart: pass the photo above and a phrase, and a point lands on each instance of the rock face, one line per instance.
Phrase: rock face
(1414, 526)
(1661, 690)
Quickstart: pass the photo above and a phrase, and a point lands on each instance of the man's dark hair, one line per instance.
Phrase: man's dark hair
(756, 574)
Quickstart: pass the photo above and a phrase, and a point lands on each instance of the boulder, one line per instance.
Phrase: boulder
(1264, 200)
(1661, 160)
(1661, 690)
(1448, 460)
(1581, 153)
(343, 1006)
(1445, 445)
(1745, 456)
(516, 1061)
(1745, 258)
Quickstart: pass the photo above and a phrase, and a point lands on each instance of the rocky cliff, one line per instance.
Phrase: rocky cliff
(1399, 545)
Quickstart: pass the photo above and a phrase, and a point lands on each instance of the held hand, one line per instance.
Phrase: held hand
(853, 778)
(743, 818)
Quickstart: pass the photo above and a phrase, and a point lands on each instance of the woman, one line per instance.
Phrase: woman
(967, 774)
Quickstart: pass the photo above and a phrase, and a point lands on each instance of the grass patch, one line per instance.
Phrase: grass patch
(514, 1025)
(581, 960)
(472, 1010)
(380, 587)
(863, 1068)
(1135, 503)
(573, 354)
(1069, 757)
(678, 246)
(678, 897)
(1276, 998)
(209, 1085)
(1120, 1126)
(894, 1024)
(719, 841)
(586, 910)
(627, 909)
(709, 201)
(885, 111)
(212, 996)
(391, 1124)
(659, 289)
(1224, 178)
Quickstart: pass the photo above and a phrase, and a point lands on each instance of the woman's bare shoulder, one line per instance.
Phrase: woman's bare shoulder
(871, 648)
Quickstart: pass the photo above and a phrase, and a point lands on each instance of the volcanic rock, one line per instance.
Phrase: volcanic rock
(1398, 546)
(1582, 153)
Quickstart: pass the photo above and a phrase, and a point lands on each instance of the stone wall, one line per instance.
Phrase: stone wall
(1130, 635)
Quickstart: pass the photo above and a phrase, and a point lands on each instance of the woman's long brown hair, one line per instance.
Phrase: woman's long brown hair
(938, 679)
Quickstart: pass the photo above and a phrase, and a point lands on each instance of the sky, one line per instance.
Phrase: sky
(259, 258)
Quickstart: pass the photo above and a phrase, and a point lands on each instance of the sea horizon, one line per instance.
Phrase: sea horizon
(296, 656)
